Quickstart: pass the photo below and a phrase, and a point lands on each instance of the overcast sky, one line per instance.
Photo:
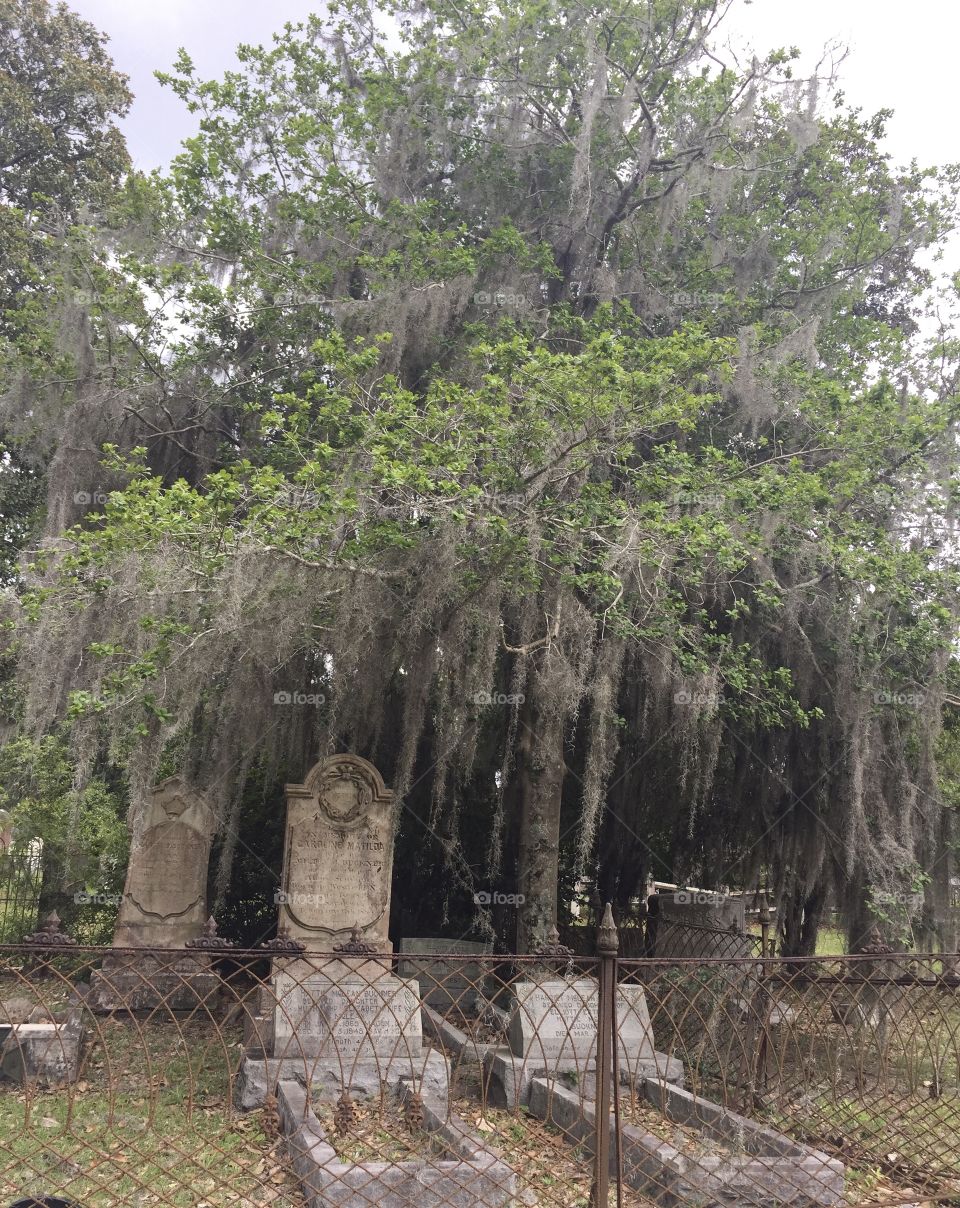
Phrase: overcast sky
(901, 57)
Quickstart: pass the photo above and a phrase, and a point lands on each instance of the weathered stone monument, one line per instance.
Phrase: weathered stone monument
(335, 1017)
(164, 906)
(698, 922)
(338, 856)
(552, 1033)
(446, 984)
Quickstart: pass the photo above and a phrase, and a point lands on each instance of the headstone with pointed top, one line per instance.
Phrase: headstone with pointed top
(164, 907)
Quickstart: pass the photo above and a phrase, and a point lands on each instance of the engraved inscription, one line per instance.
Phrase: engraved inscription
(555, 1019)
(166, 876)
(352, 1020)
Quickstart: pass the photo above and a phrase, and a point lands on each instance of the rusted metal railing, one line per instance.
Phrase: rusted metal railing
(222, 1076)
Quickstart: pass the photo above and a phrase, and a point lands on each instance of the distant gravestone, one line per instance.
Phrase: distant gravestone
(445, 984)
(697, 922)
(165, 896)
(164, 905)
(338, 855)
(704, 908)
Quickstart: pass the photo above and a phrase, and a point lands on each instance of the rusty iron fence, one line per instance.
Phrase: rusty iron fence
(20, 877)
(211, 1076)
(669, 938)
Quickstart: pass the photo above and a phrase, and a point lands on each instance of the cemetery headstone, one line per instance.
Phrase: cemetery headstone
(164, 905)
(335, 1017)
(338, 855)
(553, 1032)
(445, 984)
(695, 922)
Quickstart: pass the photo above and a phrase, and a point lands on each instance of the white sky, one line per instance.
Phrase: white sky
(903, 57)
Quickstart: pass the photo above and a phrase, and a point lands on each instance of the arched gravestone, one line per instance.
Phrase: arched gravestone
(338, 855)
(164, 905)
(337, 1021)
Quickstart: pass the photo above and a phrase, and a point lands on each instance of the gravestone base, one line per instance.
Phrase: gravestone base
(150, 982)
(334, 1033)
(328, 1077)
(508, 1078)
(350, 1016)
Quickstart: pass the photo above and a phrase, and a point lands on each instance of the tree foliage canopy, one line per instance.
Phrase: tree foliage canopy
(544, 393)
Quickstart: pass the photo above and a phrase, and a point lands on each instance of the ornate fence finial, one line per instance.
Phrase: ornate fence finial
(608, 942)
(553, 947)
(344, 1115)
(210, 939)
(874, 944)
(356, 945)
(49, 935)
(555, 957)
(283, 944)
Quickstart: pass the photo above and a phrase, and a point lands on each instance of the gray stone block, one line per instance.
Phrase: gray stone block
(44, 1054)
(445, 983)
(328, 1078)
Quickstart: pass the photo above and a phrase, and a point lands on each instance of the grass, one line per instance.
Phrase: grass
(149, 1122)
(831, 942)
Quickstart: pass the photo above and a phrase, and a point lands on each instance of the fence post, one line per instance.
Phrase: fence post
(608, 944)
(763, 1000)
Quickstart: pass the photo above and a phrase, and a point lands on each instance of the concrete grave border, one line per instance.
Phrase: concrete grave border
(772, 1171)
(475, 1174)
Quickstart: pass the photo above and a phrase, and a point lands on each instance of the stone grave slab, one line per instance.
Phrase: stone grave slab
(553, 1033)
(554, 1020)
(349, 1019)
(43, 1054)
(445, 984)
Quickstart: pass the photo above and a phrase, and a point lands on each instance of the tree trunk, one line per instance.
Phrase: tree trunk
(938, 906)
(801, 917)
(540, 772)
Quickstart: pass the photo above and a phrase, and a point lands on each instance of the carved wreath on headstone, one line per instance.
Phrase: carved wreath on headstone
(338, 807)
